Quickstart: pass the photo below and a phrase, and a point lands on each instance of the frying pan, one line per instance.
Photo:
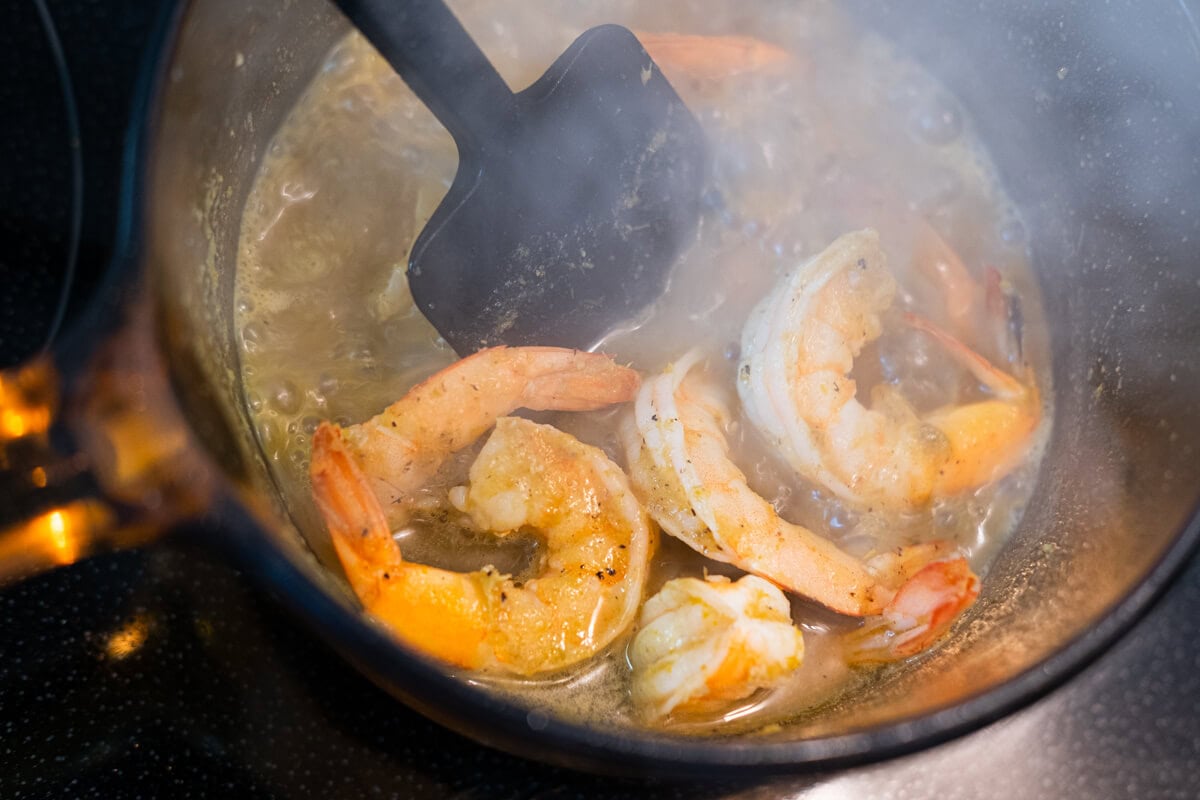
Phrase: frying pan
(136, 424)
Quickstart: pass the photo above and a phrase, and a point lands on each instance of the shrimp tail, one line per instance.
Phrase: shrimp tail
(945, 268)
(351, 510)
(445, 613)
(920, 614)
(987, 438)
(996, 380)
(1005, 317)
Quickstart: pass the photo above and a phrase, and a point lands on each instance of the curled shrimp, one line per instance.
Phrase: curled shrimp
(597, 538)
(680, 467)
(405, 445)
(702, 644)
(794, 381)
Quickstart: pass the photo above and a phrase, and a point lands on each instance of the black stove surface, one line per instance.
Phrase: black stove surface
(166, 673)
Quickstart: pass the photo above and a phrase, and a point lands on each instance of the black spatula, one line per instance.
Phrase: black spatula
(573, 197)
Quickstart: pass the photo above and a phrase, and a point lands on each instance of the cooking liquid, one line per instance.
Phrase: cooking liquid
(844, 134)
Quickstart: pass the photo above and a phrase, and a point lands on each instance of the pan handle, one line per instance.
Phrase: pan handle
(93, 458)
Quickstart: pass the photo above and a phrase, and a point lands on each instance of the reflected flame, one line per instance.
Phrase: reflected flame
(60, 533)
(60, 536)
(14, 424)
(26, 401)
(128, 639)
(18, 422)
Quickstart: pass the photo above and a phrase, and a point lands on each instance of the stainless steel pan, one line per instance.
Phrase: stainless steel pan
(137, 424)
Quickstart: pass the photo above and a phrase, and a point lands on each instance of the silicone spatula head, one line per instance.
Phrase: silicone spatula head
(573, 198)
(567, 220)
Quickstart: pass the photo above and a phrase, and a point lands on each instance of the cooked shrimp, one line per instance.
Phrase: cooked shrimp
(920, 613)
(680, 466)
(798, 349)
(703, 644)
(527, 476)
(712, 57)
(401, 449)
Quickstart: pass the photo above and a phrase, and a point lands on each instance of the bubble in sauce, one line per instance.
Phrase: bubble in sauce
(1013, 232)
(252, 336)
(284, 397)
(328, 384)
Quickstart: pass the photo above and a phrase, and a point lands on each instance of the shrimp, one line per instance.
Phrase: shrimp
(703, 644)
(403, 447)
(679, 465)
(713, 57)
(920, 613)
(597, 537)
(798, 350)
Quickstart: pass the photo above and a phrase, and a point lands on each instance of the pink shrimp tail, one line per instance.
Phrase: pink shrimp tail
(920, 613)
(995, 379)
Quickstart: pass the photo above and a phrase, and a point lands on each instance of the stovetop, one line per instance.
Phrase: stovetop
(166, 673)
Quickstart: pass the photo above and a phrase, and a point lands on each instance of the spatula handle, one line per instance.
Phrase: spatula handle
(429, 48)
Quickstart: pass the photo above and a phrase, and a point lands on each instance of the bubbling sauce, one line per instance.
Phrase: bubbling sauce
(843, 135)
